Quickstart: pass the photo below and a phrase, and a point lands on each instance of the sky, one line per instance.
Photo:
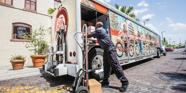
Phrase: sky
(166, 16)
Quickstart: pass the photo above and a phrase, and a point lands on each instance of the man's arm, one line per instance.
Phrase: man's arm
(88, 35)
(91, 34)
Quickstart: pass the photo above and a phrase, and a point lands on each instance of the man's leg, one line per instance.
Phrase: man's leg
(118, 70)
(106, 65)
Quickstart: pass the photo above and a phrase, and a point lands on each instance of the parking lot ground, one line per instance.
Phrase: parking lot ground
(160, 75)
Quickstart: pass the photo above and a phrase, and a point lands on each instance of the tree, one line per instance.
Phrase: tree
(165, 42)
(127, 10)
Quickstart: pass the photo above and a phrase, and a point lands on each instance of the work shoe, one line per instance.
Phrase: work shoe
(105, 83)
(123, 88)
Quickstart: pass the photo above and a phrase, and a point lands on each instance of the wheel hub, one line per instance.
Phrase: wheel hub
(97, 62)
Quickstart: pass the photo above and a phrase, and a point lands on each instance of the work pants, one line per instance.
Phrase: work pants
(111, 61)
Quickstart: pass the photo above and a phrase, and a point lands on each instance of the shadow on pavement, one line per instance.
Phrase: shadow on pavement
(56, 81)
(178, 77)
(181, 58)
(136, 63)
(180, 87)
(173, 76)
(114, 87)
(29, 66)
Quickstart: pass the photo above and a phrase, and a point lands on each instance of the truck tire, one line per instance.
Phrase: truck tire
(82, 89)
(164, 54)
(96, 61)
(158, 53)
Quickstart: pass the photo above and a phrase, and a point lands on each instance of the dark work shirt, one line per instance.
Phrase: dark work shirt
(103, 38)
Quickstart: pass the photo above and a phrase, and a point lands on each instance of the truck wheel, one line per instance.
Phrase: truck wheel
(82, 89)
(96, 61)
(164, 54)
(158, 53)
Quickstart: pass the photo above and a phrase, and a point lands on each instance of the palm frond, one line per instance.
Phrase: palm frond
(129, 10)
(117, 6)
(123, 9)
(132, 15)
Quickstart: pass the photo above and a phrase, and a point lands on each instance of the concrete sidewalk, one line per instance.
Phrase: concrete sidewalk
(7, 73)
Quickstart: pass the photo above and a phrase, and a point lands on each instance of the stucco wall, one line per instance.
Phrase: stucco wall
(10, 15)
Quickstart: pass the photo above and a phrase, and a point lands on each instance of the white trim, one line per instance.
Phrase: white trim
(78, 29)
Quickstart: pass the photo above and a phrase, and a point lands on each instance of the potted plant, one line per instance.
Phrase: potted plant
(39, 46)
(17, 62)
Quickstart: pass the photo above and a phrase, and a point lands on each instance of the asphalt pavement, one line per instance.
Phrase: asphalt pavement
(159, 75)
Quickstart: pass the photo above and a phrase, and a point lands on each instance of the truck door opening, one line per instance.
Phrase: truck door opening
(90, 16)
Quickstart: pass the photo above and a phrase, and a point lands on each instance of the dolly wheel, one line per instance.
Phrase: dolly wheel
(82, 89)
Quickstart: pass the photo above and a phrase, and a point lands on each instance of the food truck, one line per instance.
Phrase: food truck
(133, 41)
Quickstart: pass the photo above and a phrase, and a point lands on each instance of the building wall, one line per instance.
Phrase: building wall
(16, 13)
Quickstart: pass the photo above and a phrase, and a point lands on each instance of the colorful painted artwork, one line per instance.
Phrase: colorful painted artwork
(131, 39)
(119, 35)
(61, 20)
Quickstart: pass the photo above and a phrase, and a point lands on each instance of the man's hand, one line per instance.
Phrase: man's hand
(88, 34)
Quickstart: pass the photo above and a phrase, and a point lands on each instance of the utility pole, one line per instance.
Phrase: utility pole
(144, 21)
(185, 46)
(162, 36)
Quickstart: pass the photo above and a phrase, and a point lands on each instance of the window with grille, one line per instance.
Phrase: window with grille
(21, 31)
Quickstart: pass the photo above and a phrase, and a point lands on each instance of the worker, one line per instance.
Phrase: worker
(109, 57)
(90, 29)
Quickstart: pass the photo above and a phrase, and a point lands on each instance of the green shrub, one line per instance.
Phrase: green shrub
(37, 42)
(17, 57)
